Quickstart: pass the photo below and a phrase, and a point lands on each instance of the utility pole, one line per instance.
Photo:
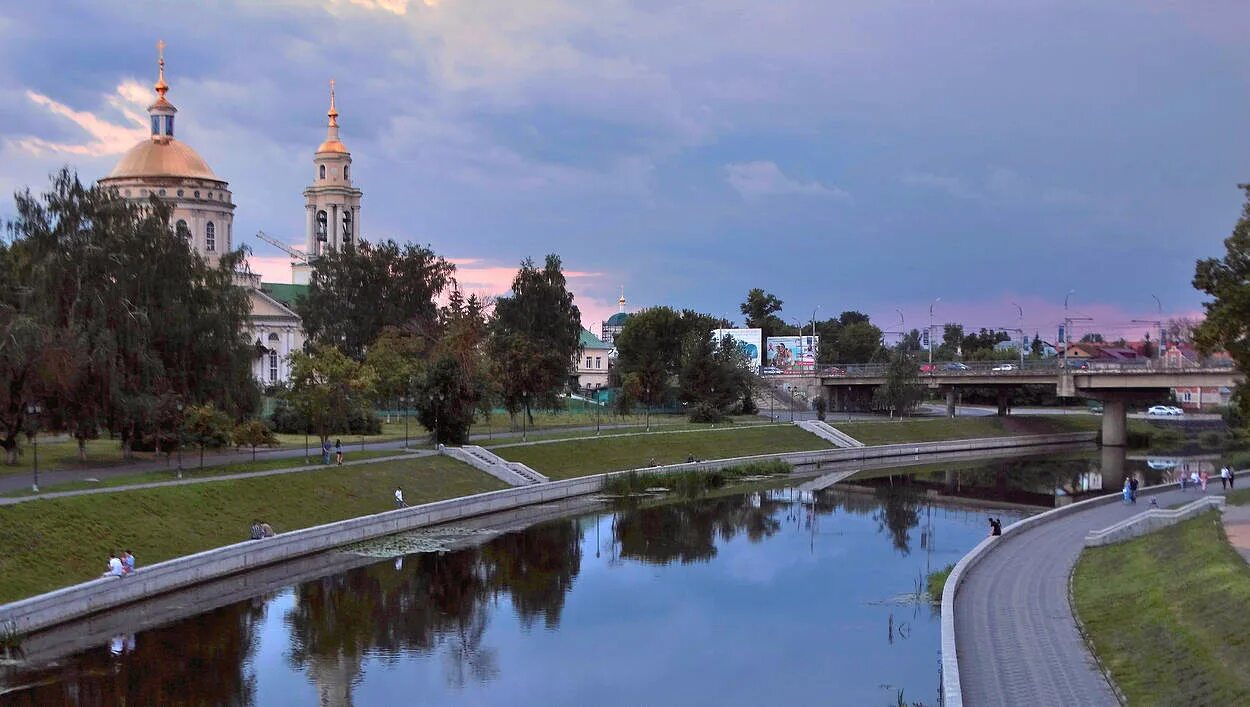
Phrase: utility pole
(1020, 321)
(930, 330)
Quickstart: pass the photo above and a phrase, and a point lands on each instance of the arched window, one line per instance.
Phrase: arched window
(181, 229)
(321, 226)
(273, 358)
(347, 227)
(346, 171)
(210, 237)
(323, 171)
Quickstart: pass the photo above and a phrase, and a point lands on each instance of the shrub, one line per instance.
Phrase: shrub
(706, 412)
(1211, 439)
(936, 582)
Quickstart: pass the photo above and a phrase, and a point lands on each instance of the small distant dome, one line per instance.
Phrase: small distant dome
(618, 319)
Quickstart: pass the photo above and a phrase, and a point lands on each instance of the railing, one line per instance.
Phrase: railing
(1014, 368)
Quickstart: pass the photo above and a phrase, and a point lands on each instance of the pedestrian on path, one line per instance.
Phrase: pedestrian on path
(1184, 480)
(1224, 473)
(325, 452)
(1202, 478)
(1132, 487)
(399, 498)
(338, 452)
(1127, 492)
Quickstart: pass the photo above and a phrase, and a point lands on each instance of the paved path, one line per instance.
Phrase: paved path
(1237, 528)
(1015, 632)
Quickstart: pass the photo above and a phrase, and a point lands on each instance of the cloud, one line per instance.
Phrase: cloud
(764, 178)
(1003, 185)
(953, 186)
(106, 138)
(397, 7)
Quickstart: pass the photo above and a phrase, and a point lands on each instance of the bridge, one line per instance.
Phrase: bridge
(1114, 384)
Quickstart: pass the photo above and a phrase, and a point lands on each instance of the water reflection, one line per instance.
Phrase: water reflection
(768, 594)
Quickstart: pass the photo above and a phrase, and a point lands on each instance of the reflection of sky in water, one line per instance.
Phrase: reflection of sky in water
(801, 616)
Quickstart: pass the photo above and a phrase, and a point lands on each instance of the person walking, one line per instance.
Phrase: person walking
(1184, 480)
(1126, 493)
(325, 452)
(1224, 477)
(399, 498)
(338, 452)
(1202, 479)
(1132, 488)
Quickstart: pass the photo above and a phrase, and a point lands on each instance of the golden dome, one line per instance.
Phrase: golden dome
(162, 158)
(332, 146)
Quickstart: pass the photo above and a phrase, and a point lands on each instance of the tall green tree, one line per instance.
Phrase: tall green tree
(535, 337)
(901, 392)
(357, 291)
(328, 389)
(456, 380)
(648, 355)
(760, 309)
(149, 318)
(1227, 281)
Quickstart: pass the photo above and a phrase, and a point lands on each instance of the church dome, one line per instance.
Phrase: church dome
(618, 319)
(162, 158)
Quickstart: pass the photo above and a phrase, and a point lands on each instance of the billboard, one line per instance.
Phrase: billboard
(750, 343)
(793, 354)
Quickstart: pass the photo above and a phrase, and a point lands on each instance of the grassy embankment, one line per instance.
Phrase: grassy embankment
(670, 424)
(147, 477)
(595, 455)
(55, 542)
(933, 430)
(1169, 614)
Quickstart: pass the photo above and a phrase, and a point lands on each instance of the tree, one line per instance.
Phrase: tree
(760, 309)
(140, 316)
(455, 382)
(1093, 337)
(253, 433)
(1182, 330)
(328, 389)
(357, 291)
(648, 355)
(206, 426)
(535, 337)
(713, 374)
(1227, 281)
(901, 392)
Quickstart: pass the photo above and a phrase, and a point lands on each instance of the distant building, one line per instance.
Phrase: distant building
(592, 365)
(610, 328)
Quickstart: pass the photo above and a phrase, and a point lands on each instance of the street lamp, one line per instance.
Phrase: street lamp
(403, 400)
(930, 330)
(902, 329)
(595, 398)
(1020, 321)
(180, 406)
(34, 410)
(435, 399)
(1067, 325)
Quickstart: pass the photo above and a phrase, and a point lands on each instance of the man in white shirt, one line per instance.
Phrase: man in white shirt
(399, 498)
(115, 566)
(1224, 474)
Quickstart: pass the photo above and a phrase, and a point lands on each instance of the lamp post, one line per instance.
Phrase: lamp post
(813, 339)
(1067, 326)
(180, 406)
(403, 400)
(1159, 342)
(435, 399)
(930, 330)
(524, 414)
(647, 390)
(1020, 321)
(34, 410)
(596, 400)
(902, 329)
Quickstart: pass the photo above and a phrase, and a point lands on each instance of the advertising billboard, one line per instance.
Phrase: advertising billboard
(792, 354)
(750, 343)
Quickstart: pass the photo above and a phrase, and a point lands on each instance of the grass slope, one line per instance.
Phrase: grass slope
(52, 543)
(933, 430)
(564, 460)
(1169, 615)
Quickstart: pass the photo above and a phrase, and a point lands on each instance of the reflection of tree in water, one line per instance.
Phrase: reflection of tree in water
(898, 513)
(438, 602)
(205, 656)
(686, 532)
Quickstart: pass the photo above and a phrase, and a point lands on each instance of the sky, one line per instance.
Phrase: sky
(874, 155)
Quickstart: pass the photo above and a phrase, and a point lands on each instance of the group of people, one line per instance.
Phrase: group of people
(1228, 479)
(120, 566)
(1130, 489)
(261, 529)
(996, 526)
(338, 452)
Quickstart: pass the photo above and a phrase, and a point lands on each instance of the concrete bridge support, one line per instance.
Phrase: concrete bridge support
(950, 402)
(1114, 423)
(1004, 401)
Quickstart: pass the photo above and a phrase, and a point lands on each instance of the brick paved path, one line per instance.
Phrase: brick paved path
(1015, 631)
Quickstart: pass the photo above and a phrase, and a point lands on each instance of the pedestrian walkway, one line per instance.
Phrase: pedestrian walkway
(1237, 528)
(1015, 633)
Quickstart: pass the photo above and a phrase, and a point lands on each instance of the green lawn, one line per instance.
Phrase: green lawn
(145, 477)
(563, 460)
(55, 542)
(1169, 615)
(670, 426)
(933, 430)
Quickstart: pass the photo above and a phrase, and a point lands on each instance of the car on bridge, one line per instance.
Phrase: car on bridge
(770, 371)
(1004, 367)
(1162, 410)
(956, 366)
(928, 368)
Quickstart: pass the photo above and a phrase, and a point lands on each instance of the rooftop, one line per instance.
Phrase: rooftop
(590, 341)
(285, 293)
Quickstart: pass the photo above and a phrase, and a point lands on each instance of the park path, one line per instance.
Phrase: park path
(1017, 638)
(1237, 528)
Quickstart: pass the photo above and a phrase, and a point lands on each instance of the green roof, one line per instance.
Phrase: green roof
(617, 319)
(590, 341)
(284, 293)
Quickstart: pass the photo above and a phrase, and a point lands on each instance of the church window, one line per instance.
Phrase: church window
(179, 192)
(210, 237)
(346, 171)
(169, 125)
(156, 125)
(347, 226)
(162, 192)
(323, 171)
(181, 229)
(197, 195)
(273, 366)
(228, 236)
(321, 226)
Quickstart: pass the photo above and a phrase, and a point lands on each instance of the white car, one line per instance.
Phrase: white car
(1161, 410)
(1004, 367)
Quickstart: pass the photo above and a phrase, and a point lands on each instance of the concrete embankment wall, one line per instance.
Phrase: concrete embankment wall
(45, 610)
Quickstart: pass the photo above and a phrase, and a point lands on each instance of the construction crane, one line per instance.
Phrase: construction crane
(297, 255)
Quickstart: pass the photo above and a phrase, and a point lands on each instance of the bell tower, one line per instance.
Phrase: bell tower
(331, 202)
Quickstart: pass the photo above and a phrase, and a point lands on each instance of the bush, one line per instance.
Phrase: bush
(287, 420)
(706, 412)
(936, 582)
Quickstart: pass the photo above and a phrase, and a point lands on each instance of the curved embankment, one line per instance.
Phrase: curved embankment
(1009, 635)
(46, 610)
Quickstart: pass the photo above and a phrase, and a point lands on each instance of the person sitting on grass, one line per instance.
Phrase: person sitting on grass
(256, 534)
(266, 530)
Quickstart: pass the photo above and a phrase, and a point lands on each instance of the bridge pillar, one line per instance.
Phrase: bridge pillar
(1114, 423)
(1004, 401)
(950, 402)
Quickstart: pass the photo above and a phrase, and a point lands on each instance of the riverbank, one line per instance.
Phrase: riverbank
(50, 543)
(934, 429)
(1168, 614)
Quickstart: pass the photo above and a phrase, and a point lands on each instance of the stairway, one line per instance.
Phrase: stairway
(511, 473)
(829, 433)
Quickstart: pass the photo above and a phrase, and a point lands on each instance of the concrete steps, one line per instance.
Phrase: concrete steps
(511, 473)
(829, 433)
